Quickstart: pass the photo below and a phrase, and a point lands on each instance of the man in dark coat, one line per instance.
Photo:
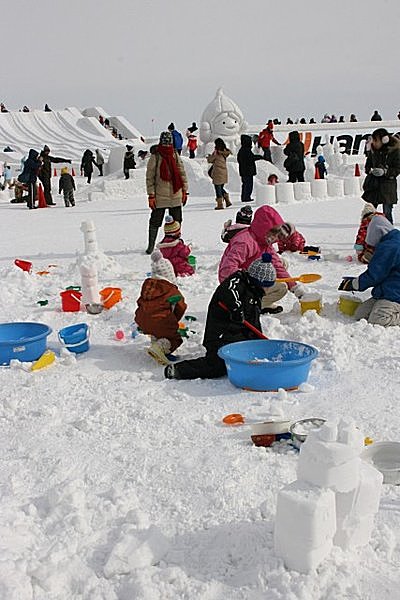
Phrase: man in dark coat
(28, 177)
(247, 167)
(294, 163)
(87, 163)
(376, 116)
(129, 160)
(45, 172)
(382, 168)
(240, 294)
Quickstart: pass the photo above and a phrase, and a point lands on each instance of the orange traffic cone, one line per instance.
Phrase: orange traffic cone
(73, 172)
(55, 172)
(41, 198)
(316, 174)
(357, 171)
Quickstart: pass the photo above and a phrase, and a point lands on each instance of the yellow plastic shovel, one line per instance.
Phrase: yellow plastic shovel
(45, 360)
(305, 278)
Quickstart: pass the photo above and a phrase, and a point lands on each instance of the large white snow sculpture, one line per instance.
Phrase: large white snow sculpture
(333, 501)
(222, 118)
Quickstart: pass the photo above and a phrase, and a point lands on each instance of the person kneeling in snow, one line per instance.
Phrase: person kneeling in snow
(236, 299)
(365, 252)
(160, 308)
(291, 240)
(383, 275)
(174, 249)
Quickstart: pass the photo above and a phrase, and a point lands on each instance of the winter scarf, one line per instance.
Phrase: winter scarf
(169, 169)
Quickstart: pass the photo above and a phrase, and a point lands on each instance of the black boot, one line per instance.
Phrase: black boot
(152, 239)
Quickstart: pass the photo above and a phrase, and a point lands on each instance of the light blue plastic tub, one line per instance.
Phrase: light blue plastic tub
(75, 337)
(23, 341)
(267, 365)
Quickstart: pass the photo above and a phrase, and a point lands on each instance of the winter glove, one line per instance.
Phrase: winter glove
(377, 171)
(152, 202)
(298, 290)
(236, 316)
(184, 198)
(349, 284)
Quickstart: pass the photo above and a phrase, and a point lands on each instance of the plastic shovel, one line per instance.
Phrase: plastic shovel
(246, 324)
(305, 278)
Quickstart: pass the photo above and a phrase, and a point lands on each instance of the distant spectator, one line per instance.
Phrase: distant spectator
(28, 177)
(277, 122)
(45, 172)
(341, 119)
(326, 118)
(333, 119)
(47, 108)
(99, 162)
(107, 123)
(25, 108)
(176, 137)
(289, 121)
(303, 121)
(101, 119)
(87, 163)
(114, 132)
(312, 121)
(265, 137)
(376, 116)
(129, 160)
(353, 118)
(3, 108)
(8, 149)
(192, 140)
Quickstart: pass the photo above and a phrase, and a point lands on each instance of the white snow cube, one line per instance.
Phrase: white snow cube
(354, 532)
(340, 478)
(303, 560)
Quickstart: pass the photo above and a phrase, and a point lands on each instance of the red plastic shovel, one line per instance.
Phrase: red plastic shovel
(247, 324)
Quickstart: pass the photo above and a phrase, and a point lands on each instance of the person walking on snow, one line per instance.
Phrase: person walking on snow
(382, 275)
(45, 172)
(66, 184)
(166, 184)
(265, 137)
(219, 173)
(87, 163)
(176, 137)
(99, 162)
(129, 160)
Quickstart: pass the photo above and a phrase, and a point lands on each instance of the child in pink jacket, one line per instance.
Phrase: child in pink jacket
(250, 244)
(174, 249)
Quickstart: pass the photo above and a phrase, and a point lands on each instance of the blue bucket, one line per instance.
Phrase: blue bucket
(75, 337)
(23, 341)
(267, 365)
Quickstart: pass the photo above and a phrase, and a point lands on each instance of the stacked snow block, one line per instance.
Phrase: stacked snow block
(265, 193)
(333, 501)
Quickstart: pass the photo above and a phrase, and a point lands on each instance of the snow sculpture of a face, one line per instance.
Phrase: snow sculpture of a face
(222, 118)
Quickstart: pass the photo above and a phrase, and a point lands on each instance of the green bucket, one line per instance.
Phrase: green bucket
(192, 261)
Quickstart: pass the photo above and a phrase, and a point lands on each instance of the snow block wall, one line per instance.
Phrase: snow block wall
(332, 502)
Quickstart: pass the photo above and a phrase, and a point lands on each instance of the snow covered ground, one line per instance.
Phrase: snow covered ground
(117, 484)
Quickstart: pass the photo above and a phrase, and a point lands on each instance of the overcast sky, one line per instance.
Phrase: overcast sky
(164, 59)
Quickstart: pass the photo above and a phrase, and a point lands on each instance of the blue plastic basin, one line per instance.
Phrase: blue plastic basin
(267, 365)
(23, 341)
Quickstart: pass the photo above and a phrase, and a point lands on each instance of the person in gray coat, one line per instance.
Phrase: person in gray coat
(99, 162)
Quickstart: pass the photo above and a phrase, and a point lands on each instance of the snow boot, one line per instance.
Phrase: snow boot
(153, 231)
(228, 203)
(220, 204)
(158, 349)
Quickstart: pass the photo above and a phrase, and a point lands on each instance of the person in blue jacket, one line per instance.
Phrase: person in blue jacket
(177, 138)
(382, 275)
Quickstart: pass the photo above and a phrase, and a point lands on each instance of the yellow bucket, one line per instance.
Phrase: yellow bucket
(311, 302)
(348, 304)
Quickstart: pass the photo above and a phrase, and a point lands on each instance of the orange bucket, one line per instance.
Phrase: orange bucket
(110, 296)
(71, 300)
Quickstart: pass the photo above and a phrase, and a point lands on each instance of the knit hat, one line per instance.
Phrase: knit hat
(161, 268)
(64, 170)
(368, 209)
(172, 227)
(244, 215)
(171, 127)
(378, 227)
(262, 271)
(166, 138)
(288, 229)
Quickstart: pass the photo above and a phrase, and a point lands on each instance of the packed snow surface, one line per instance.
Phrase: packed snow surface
(116, 484)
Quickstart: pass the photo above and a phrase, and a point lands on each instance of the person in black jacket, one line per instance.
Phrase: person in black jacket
(29, 174)
(376, 116)
(294, 163)
(236, 299)
(129, 160)
(45, 172)
(247, 167)
(87, 163)
(66, 184)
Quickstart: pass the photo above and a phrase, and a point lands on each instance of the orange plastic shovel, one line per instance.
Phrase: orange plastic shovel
(305, 278)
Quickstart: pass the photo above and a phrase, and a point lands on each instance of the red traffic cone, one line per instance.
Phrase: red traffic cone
(357, 171)
(316, 174)
(41, 198)
(55, 172)
(73, 172)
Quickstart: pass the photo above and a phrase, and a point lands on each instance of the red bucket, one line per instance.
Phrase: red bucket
(25, 265)
(71, 300)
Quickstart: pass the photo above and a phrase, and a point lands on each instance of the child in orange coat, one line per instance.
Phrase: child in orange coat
(160, 308)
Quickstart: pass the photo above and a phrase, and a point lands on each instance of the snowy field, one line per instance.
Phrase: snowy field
(117, 484)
